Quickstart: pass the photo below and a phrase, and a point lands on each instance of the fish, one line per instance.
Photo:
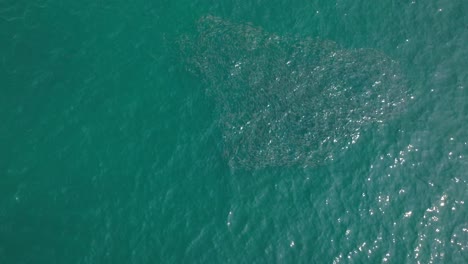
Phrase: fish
(290, 100)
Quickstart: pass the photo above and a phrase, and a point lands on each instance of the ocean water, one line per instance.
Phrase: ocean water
(233, 131)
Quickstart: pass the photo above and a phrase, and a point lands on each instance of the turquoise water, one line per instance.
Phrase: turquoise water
(117, 147)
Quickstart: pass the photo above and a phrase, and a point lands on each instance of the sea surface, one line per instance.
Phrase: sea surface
(201, 131)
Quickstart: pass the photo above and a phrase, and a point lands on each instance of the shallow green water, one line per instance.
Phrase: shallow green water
(113, 151)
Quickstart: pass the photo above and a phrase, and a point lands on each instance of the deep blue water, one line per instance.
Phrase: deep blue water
(120, 138)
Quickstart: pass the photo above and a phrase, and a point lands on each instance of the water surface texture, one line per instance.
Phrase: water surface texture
(233, 131)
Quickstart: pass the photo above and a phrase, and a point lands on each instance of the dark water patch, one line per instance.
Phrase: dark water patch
(285, 100)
